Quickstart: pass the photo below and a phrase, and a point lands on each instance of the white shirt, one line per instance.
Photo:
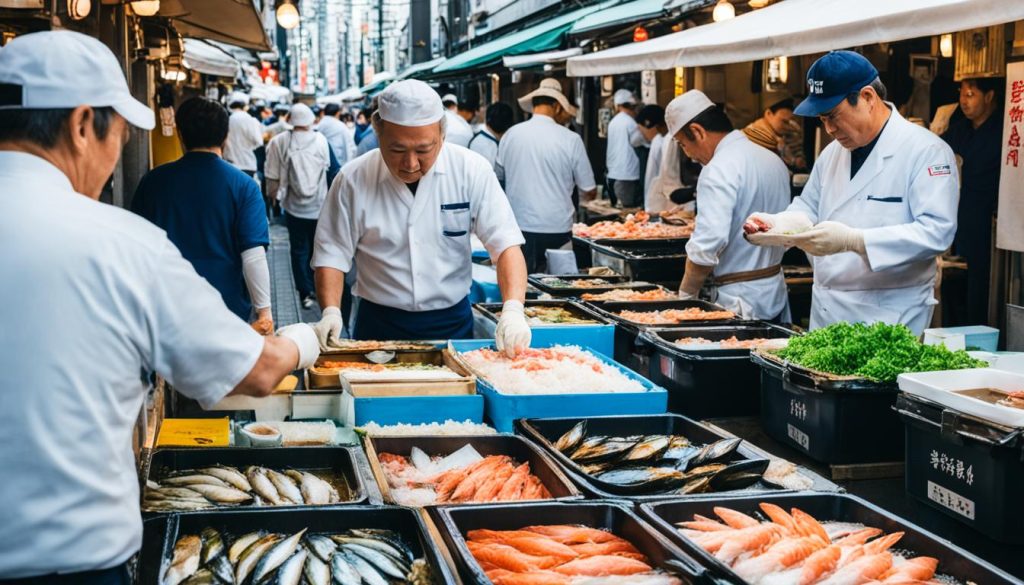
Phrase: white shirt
(458, 130)
(621, 159)
(245, 134)
(740, 179)
(339, 137)
(414, 252)
(485, 143)
(94, 299)
(293, 145)
(668, 179)
(653, 166)
(541, 161)
(905, 199)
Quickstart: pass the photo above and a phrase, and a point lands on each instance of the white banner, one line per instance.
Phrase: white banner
(1010, 227)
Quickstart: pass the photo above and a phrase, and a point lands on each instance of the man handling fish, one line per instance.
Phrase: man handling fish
(879, 206)
(115, 296)
(405, 212)
(738, 177)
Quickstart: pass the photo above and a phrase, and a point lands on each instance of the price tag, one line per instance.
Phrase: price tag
(799, 436)
(951, 500)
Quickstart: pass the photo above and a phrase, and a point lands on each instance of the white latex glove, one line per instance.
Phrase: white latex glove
(304, 338)
(830, 237)
(783, 222)
(513, 333)
(685, 296)
(329, 326)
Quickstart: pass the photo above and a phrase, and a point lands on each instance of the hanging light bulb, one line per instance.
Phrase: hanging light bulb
(287, 14)
(946, 45)
(145, 7)
(640, 34)
(79, 9)
(724, 10)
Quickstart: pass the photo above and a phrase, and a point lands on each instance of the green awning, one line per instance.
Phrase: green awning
(622, 14)
(412, 71)
(541, 37)
(380, 81)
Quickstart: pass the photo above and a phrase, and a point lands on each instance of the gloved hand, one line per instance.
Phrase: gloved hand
(693, 280)
(513, 333)
(783, 222)
(830, 237)
(329, 327)
(305, 340)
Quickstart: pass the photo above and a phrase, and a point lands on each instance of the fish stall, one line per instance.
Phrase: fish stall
(637, 247)
(552, 322)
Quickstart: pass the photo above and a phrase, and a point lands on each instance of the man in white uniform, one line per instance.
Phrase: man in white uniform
(541, 161)
(245, 135)
(95, 299)
(650, 123)
(405, 212)
(459, 131)
(879, 206)
(498, 120)
(621, 159)
(337, 134)
(738, 177)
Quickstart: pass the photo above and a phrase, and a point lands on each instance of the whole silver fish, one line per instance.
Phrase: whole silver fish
(286, 487)
(193, 479)
(213, 546)
(290, 572)
(262, 485)
(389, 536)
(321, 546)
(384, 563)
(276, 555)
(201, 577)
(371, 543)
(175, 505)
(230, 475)
(252, 555)
(222, 495)
(344, 571)
(222, 569)
(317, 571)
(181, 493)
(314, 490)
(184, 561)
(367, 572)
(243, 542)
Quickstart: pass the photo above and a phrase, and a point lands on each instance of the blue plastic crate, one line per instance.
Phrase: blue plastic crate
(503, 409)
(414, 410)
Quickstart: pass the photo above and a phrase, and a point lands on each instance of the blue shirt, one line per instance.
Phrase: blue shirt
(212, 212)
(368, 143)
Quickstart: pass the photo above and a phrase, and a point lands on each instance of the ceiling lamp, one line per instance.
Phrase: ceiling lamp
(759, 3)
(724, 10)
(946, 45)
(287, 14)
(79, 9)
(145, 7)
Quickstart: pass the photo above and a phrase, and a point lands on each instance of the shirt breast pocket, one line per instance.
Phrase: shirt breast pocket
(456, 219)
(885, 199)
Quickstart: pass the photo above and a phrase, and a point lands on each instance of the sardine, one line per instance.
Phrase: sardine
(322, 546)
(262, 485)
(252, 555)
(213, 546)
(194, 479)
(373, 544)
(222, 495)
(389, 536)
(181, 493)
(238, 547)
(201, 577)
(175, 505)
(185, 561)
(276, 555)
(317, 571)
(314, 490)
(286, 487)
(568, 442)
(343, 571)
(290, 572)
(230, 475)
(385, 564)
(369, 573)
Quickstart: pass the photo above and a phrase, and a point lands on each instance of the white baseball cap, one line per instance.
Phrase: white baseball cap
(409, 102)
(682, 110)
(623, 96)
(238, 96)
(63, 70)
(301, 115)
(450, 97)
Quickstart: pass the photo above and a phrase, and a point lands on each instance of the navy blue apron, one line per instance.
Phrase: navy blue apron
(380, 323)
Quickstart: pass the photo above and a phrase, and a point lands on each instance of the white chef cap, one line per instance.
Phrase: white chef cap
(683, 109)
(301, 115)
(410, 102)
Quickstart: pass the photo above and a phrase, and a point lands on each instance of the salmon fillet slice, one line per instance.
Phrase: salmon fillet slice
(503, 577)
(506, 557)
(603, 565)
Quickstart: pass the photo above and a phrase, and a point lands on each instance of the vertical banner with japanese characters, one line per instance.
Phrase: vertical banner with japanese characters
(1010, 228)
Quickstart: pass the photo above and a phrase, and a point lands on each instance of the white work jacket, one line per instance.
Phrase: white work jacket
(457, 130)
(741, 178)
(245, 135)
(905, 199)
(414, 251)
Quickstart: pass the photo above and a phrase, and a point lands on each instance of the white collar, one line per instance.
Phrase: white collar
(43, 173)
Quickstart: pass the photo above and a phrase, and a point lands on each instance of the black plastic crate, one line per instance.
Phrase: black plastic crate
(455, 522)
(832, 421)
(658, 262)
(967, 468)
(617, 282)
(707, 383)
(953, 561)
(492, 310)
(339, 461)
(546, 431)
(159, 534)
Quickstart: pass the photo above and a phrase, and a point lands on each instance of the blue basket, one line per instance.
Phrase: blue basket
(503, 409)
(415, 410)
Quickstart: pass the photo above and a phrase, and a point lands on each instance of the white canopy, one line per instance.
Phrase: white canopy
(206, 58)
(534, 59)
(351, 94)
(269, 93)
(798, 27)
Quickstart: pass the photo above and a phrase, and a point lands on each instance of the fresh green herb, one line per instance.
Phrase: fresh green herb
(879, 352)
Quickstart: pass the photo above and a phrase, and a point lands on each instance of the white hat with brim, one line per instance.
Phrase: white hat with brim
(624, 97)
(683, 109)
(548, 88)
(410, 102)
(64, 70)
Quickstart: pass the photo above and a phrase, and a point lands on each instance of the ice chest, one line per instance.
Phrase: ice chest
(599, 336)
(708, 382)
(966, 467)
(833, 420)
(503, 409)
(975, 337)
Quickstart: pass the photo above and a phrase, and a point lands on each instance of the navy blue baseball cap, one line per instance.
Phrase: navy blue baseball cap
(833, 77)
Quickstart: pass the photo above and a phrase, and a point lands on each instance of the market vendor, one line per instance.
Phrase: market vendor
(405, 212)
(95, 300)
(879, 207)
(738, 177)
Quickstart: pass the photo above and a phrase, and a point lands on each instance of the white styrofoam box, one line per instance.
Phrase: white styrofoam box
(954, 338)
(941, 387)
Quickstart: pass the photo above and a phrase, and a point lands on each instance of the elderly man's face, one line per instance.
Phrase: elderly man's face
(410, 151)
(93, 158)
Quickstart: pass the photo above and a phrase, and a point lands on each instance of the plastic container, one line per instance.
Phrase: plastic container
(706, 383)
(333, 463)
(545, 432)
(160, 534)
(517, 448)
(953, 561)
(658, 261)
(455, 522)
(975, 337)
(615, 283)
(966, 467)
(972, 391)
(832, 420)
(503, 409)
(599, 336)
